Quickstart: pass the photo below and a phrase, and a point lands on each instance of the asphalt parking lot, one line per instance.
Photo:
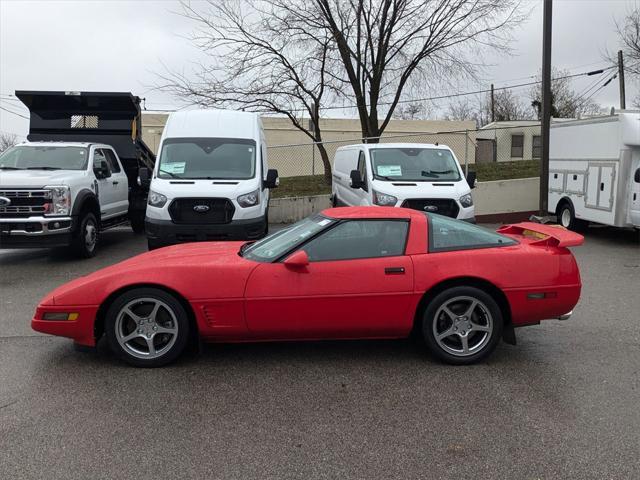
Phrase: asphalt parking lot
(563, 403)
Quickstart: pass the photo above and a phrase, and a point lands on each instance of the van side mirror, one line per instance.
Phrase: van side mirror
(356, 179)
(272, 180)
(102, 170)
(471, 179)
(144, 177)
(297, 260)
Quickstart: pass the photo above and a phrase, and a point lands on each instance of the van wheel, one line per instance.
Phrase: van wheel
(567, 217)
(85, 240)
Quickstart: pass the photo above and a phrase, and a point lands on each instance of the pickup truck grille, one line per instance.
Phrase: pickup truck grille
(201, 211)
(24, 203)
(443, 206)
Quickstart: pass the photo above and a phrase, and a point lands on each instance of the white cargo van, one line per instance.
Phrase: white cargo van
(211, 180)
(413, 175)
(594, 171)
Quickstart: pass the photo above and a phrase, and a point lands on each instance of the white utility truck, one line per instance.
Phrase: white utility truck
(77, 174)
(594, 171)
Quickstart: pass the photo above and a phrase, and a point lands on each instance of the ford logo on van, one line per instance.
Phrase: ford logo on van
(430, 208)
(201, 208)
(4, 201)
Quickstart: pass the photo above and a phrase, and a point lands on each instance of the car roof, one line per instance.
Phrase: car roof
(395, 145)
(58, 144)
(371, 212)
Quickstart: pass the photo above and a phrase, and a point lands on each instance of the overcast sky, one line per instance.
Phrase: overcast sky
(118, 45)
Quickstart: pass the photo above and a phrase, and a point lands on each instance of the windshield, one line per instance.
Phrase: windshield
(277, 244)
(30, 157)
(207, 158)
(414, 164)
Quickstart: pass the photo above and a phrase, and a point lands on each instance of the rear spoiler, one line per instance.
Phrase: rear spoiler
(555, 235)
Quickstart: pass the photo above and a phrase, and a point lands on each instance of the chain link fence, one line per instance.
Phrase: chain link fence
(494, 143)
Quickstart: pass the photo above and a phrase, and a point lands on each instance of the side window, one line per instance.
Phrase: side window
(98, 157)
(359, 239)
(536, 149)
(517, 146)
(446, 234)
(636, 177)
(362, 168)
(114, 166)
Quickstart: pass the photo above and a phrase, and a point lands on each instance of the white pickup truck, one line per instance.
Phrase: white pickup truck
(64, 186)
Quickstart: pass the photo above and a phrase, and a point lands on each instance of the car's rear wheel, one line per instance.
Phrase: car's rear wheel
(147, 327)
(462, 325)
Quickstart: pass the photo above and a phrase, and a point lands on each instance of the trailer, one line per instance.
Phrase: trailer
(594, 171)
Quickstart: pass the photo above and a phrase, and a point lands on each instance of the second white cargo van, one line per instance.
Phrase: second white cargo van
(211, 180)
(413, 175)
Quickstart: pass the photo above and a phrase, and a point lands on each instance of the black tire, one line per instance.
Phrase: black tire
(137, 223)
(171, 314)
(153, 245)
(88, 227)
(567, 217)
(480, 344)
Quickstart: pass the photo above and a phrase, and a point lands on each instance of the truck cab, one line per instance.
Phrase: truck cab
(66, 184)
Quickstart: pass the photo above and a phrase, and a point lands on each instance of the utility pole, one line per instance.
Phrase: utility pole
(546, 105)
(621, 80)
(493, 105)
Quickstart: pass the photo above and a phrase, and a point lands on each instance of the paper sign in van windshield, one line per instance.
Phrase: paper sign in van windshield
(390, 170)
(174, 167)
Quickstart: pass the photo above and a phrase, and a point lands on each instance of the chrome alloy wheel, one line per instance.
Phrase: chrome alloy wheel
(146, 328)
(463, 326)
(90, 235)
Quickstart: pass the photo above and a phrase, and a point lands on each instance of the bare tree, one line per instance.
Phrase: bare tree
(629, 33)
(411, 111)
(262, 58)
(565, 102)
(384, 45)
(7, 140)
(507, 106)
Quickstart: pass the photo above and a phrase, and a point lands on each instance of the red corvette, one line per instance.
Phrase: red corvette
(361, 272)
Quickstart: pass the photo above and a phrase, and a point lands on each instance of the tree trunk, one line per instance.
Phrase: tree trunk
(325, 163)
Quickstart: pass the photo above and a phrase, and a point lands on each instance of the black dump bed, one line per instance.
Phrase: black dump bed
(112, 118)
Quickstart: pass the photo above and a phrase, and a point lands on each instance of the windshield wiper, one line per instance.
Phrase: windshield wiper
(168, 173)
(10, 168)
(389, 179)
(424, 173)
(43, 168)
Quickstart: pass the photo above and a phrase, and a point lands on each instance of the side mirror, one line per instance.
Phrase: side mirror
(144, 177)
(356, 179)
(272, 180)
(471, 179)
(102, 171)
(297, 260)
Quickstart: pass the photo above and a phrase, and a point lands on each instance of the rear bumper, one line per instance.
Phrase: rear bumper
(165, 232)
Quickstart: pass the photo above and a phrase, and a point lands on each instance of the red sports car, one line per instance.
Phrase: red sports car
(358, 272)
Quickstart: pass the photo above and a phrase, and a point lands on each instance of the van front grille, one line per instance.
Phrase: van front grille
(443, 206)
(201, 211)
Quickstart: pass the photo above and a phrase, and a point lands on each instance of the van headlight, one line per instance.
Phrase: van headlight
(60, 200)
(383, 199)
(466, 200)
(249, 199)
(156, 199)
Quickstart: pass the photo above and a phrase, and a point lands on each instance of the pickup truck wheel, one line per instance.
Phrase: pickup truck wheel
(462, 325)
(147, 327)
(85, 241)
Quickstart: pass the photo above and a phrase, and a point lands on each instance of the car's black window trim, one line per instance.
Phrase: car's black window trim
(481, 246)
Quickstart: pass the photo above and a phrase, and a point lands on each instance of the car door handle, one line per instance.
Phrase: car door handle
(115, 182)
(394, 270)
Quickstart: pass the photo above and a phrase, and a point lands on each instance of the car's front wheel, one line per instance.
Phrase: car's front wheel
(147, 327)
(462, 325)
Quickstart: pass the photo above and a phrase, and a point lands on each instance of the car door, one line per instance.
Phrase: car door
(119, 182)
(358, 284)
(105, 187)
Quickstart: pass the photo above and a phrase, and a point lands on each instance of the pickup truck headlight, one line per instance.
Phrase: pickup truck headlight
(156, 199)
(384, 199)
(60, 200)
(249, 199)
(466, 200)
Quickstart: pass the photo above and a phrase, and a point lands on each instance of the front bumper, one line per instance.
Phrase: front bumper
(80, 330)
(35, 232)
(165, 232)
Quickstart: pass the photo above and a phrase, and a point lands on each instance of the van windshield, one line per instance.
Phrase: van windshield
(414, 164)
(30, 157)
(207, 158)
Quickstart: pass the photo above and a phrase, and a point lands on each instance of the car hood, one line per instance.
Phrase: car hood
(38, 178)
(206, 270)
